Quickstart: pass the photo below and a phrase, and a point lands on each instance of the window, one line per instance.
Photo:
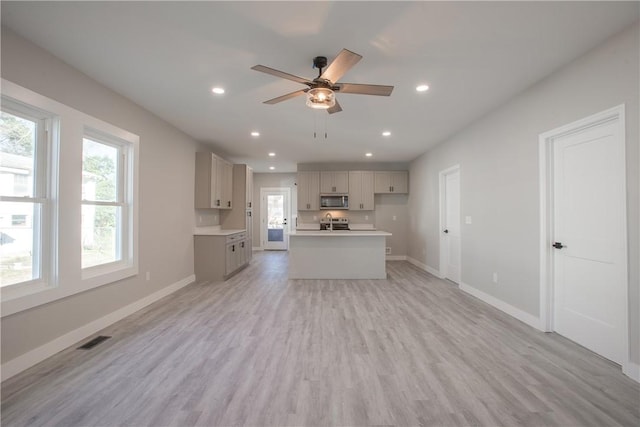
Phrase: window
(24, 168)
(68, 201)
(106, 202)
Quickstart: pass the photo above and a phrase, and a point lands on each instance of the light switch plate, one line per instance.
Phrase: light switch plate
(467, 219)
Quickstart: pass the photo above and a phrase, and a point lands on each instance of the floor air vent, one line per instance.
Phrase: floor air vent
(94, 342)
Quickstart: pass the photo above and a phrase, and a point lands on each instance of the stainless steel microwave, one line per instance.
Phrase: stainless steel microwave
(331, 201)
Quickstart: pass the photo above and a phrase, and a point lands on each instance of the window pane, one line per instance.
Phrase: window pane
(99, 171)
(275, 217)
(18, 250)
(100, 234)
(17, 148)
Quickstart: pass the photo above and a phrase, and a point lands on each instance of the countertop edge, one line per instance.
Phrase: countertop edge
(351, 233)
(197, 232)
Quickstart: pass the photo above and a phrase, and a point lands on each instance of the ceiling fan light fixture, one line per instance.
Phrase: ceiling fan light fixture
(321, 98)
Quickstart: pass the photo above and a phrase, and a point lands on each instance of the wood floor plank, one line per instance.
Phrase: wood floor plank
(261, 350)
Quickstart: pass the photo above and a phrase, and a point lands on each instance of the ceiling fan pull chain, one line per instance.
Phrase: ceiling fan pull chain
(325, 127)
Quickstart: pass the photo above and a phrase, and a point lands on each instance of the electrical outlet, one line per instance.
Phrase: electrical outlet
(495, 277)
(394, 217)
(315, 218)
(148, 276)
(366, 217)
(467, 219)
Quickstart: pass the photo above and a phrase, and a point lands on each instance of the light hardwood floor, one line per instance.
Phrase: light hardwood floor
(263, 351)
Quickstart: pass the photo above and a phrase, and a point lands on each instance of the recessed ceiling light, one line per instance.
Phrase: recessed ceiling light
(272, 168)
(386, 133)
(422, 88)
(272, 154)
(254, 133)
(217, 90)
(369, 154)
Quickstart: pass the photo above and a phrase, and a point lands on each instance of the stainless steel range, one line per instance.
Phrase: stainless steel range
(334, 223)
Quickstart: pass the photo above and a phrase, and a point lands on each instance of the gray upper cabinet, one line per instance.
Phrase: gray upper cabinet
(226, 183)
(332, 182)
(361, 191)
(214, 182)
(308, 191)
(391, 182)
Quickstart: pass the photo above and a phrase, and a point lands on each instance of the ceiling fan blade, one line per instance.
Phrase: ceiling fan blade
(343, 63)
(287, 96)
(360, 89)
(335, 109)
(281, 74)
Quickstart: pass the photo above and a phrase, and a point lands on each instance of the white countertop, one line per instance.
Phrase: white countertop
(214, 231)
(338, 233)
(316, 226)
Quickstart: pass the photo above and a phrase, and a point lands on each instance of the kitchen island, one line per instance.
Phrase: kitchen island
(323, 254)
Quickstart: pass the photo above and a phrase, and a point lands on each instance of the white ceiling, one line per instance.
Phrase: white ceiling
(166, 57)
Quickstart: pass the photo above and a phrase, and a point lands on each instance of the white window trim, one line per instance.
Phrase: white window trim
(66, 272)
(123, 200)
(45, 187)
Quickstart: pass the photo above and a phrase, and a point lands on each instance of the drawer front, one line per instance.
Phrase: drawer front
(236, 237)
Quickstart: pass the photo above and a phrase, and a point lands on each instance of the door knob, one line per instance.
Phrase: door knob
(558, 245)
(446, 231)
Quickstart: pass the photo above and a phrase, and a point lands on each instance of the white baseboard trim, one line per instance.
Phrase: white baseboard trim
(396, 257)
(632, 370)
(522, 316)
(425, 267)
(37, 355)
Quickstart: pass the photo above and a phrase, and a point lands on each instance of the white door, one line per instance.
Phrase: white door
(589, 239)
(450, 224)
(274, 218)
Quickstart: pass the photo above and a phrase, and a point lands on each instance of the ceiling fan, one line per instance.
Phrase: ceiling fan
(321, 90)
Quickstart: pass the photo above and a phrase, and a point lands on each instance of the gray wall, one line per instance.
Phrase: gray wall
(498, 156)
(166, 215)
(354, 166)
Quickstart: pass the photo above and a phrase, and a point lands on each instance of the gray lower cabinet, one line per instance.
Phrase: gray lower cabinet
(219, 257)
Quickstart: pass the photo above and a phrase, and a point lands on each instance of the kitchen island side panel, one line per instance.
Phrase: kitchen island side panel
(337, 257)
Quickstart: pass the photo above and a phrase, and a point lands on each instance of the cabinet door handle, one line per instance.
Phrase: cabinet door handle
(229, 203)
(218, 202)
(233, 248)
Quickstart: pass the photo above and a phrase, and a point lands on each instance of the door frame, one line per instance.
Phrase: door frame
(263, 213)
(546, 184)
(442, 208)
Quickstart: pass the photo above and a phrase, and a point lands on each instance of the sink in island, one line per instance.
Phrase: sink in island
(337, 254)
